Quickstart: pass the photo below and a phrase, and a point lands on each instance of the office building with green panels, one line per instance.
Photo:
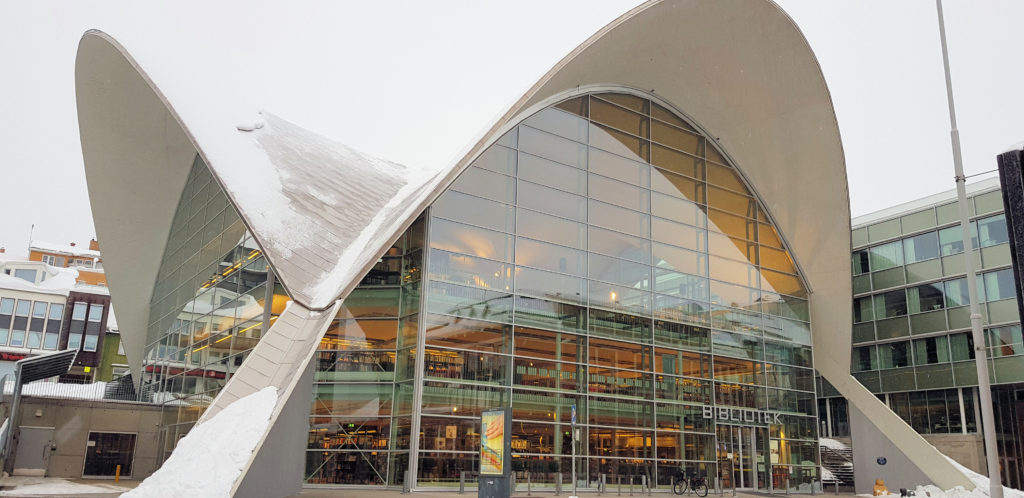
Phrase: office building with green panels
(912, 342)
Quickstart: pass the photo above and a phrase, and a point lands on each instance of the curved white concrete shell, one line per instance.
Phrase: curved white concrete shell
(740, 69)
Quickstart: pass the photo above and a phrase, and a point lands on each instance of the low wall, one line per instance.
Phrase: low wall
(72, 421)
(967, 449)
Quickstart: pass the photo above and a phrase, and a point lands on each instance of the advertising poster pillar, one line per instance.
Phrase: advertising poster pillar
(495, 454)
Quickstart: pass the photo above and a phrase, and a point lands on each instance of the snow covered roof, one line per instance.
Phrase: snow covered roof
(112, 321)
(318, 208)
(321, 212)
(100, 290)
(67, 249)
(59, 281)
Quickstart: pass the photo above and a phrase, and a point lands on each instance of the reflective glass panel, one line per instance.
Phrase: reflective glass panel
(488, 184)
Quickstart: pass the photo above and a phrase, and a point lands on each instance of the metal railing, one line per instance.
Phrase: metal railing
(121, 389)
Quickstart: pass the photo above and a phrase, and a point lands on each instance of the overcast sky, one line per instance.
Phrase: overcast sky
(415, 82)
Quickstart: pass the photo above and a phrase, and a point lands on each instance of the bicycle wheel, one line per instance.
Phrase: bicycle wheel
(679, 486)
(701, 489)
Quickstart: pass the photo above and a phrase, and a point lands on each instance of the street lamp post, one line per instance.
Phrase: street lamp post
(988, 425)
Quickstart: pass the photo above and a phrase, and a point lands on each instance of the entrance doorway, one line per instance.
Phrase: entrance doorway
(106, 451)
(742, 452)
(33, 453)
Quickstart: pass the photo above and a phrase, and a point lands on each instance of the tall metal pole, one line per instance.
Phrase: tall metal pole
(574, 442)
(988, 424)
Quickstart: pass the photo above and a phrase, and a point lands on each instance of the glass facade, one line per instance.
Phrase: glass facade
(210, 305)
(602, 254)
(360, 422)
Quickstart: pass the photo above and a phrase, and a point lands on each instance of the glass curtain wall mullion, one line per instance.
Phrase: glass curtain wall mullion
(420, 358)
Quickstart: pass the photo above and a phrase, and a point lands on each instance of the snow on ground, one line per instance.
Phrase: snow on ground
(210, 458)
(982, 482)
(29, 486)
(980, 491)
(833, 444)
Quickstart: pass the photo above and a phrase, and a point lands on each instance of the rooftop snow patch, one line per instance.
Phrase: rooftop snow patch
(320, 209)
(67, 249)
(59, 281)
(60, 390)
(208, 460)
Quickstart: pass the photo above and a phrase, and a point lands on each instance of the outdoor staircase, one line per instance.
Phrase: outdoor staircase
(837, 458)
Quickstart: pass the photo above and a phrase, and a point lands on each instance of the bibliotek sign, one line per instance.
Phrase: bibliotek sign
(749, 416)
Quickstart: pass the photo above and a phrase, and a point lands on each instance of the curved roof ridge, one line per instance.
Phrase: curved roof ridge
(317, 205)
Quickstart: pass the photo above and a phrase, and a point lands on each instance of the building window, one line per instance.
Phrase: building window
(53, 260)
(1005, 341)
(20, 322)
(864, 359)
(998, 285)
(26, 275)
(992, 231)
(862, 311)
(860, 262)
(120, 347)
(53, 323)
(840, 422)
(77, 326)
(931, 350)
(956, 293)
(6, 317)
(890, 304)
(951, 240)
(932, 412)
(887, 255)
(92, 327)
(925, 298)
(36, 325)
(921, 247)
(894, 355)
(962, 346)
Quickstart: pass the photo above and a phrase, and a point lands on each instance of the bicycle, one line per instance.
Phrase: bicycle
(681, 485)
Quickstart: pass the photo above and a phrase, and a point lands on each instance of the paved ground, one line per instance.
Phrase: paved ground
(612, 492)
(37, 487)
(50, 486)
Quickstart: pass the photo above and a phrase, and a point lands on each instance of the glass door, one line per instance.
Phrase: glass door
(761, 456)
(741, 456)
(723, 434)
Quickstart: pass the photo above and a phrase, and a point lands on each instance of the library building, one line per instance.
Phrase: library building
(649, 246)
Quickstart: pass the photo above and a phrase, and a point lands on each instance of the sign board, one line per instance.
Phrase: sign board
(573, 415)
(492, 442)
(742, 415)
